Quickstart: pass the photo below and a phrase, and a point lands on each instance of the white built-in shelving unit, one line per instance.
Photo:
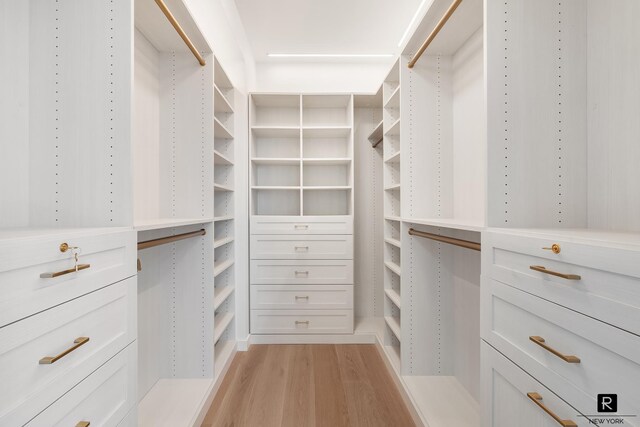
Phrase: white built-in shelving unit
(391, 95)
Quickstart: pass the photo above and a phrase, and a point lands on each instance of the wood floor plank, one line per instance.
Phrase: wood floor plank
(330, 399)
(388, 396)
(266, 400)
(235, 403)
(299, 406)
(308, 386)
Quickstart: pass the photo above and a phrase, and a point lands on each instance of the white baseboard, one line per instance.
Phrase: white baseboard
(312, 339)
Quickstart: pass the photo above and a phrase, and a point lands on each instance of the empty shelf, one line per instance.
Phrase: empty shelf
(394, 158)
(220, 159)
(221, 267)
(276, 131)
(392, 218)
(274, 187)
(220, 324)
(456, 224)
(221, 354)
(394, 324)
(223, 218)
(220, 130)
(220, 102)
(392, 187)
(221, 242)
(220, 187)
(160, 223)
(376, 135)
(220, 296)
(278, 161)
(393, 267)
(327, 161)
(394, 99)
(391, 241)
(394, 129)
(393, 296)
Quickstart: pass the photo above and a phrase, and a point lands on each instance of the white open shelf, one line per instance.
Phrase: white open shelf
(160, 223)
(394, 324)
(220, 102)
(221, 322)
(221, 130)
(393, 267)
(393, 296)
(223, 218)
(394, 99)
(220, 296)
(392, 187)
(174, 402)
(223, 350)
(376, 134)
(393, 158)
(221, 187)
(222, 266)
(220, 159)
(392, 241)
(221, 242)
(456, 224)
(394, 129)
(283, 161)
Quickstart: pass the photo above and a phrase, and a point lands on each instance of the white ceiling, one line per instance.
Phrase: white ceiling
(325, 26)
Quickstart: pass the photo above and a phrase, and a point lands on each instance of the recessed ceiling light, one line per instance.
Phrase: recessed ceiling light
(413, 21)
(330, 55)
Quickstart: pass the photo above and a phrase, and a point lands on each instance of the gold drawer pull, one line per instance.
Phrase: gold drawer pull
(302, 248)
(301, 227)
(83, 424)
(537, 399)
(302, 273)
(302, 297)
(78, 342)
(544, 270)
(302, 322)
(63, 272)
(540, 341)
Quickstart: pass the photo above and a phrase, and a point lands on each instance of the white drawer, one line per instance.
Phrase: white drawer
(107, 317)
(278, 297)
(302, 225)
(23, 292)
(102, 399)
(609, 284)
(505, 401)
(301, 321)
(297, 272)
(302, 247)
(604, 358)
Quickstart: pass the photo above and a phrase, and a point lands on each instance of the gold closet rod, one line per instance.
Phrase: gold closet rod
(435, 32)
(180, 31)
(164, 240)
(451, 240)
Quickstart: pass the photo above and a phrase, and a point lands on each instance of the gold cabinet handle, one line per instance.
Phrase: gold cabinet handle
(302, 297)
(302, 273)
(63, 272)
(537, 399)
(555, 248)
(77, 343)
(302, 248)
(544, 270)
(541, 342)
(301, 227)
(83, 424)
(302, 322)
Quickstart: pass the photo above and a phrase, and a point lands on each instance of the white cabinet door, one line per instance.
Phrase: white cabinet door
(102, 399)
(79, 336)
(512, 398)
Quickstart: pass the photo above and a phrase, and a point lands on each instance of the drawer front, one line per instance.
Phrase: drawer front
(301, 321)
(295, 272)
(107, 317)
(505, 400)
(292, 297)
(103, 398)
(608, 287)
(23, 292)
(302, 225)
(594, 357)
(302, 247)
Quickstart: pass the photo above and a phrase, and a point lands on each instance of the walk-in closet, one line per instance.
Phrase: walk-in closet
(303, 214)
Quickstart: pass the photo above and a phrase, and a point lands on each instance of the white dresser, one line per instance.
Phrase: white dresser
(67, 337)
(560, 325)
(301, 275)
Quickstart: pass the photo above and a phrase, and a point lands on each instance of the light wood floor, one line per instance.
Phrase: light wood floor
(308, 385)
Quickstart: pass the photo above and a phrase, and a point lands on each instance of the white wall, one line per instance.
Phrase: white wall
(364, 77)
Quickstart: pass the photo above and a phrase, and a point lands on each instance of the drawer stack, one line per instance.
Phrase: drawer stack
(67, 337)
(565, 310)
(301, 275)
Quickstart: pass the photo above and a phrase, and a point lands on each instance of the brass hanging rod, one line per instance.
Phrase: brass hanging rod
(164, 240)
(451, 240)
(180, 31)
(435, 32)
